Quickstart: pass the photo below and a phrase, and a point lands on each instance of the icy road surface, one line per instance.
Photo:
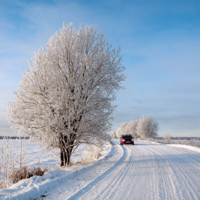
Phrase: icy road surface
(140, 171)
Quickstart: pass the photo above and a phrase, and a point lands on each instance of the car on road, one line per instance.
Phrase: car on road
(126, 139)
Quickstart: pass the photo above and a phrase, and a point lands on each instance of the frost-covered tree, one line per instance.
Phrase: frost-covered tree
(65, 98)
(147, 127)
(122, 129)
(131, 128)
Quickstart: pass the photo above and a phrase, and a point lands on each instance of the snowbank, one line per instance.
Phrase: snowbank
(148, 141)
(39, 185)
(197, 149)
(193, 148)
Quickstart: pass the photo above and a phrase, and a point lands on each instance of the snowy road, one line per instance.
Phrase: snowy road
(140, 171)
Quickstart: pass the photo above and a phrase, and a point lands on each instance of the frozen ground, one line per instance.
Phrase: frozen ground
(140, 171)
(36, 186)
(186, 141)
(190, 141)
(38, 157)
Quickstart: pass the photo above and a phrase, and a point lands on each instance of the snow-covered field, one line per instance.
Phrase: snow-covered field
(141, 171)
(35, 186)
(189, 141)
(185, 141)
(37, 156)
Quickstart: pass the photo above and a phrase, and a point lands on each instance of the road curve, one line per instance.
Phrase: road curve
(140, 171)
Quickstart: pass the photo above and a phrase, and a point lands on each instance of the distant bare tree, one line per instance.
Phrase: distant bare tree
(147, 127)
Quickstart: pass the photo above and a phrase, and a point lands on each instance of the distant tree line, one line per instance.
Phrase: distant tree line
(14, 137)
(145, 127)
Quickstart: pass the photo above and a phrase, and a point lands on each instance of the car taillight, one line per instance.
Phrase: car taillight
(123, 140)
(132, 140)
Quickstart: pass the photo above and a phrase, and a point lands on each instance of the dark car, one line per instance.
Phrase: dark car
(126, 139)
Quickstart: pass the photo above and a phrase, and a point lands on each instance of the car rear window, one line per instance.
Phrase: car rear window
(126, 136)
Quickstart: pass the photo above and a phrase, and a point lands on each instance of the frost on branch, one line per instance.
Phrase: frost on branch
(65, 98)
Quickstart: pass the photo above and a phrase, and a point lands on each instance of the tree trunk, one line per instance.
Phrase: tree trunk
(65, 151)
(63, 157)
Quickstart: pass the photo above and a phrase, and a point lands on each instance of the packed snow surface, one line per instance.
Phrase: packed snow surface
(140, 171)
(37, 185)
(193, 148)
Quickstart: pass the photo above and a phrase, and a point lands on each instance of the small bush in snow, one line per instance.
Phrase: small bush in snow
(92, 153)
(10, 159)
(5, 183)
(7, 161)
(26, 172)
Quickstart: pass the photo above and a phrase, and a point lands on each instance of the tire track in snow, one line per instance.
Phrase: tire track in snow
(188, 192)
(186, 172)
(144, 186)
(95, 170)
(126, 177)
(144, 171)
(88, 186)
(161, 166)
(113, 186)
(128, 193)
(188, 182)
(190, 154)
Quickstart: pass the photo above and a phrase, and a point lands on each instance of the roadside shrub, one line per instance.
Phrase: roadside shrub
(10, 159)
(93, 152)
(26, 172)
(5, 184)
(22, 173)
(74, 163)
(7, 162)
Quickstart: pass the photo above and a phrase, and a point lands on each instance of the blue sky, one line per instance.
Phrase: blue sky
(160, 43)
